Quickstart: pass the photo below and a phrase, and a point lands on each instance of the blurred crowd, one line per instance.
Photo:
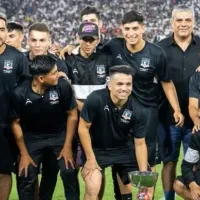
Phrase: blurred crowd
(63, 18)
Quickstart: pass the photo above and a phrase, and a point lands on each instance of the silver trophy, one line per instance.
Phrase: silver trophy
(143, 180)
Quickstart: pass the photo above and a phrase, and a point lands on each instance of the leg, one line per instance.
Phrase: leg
(26, 185)
(170, 137)
(92, 184)
(70, 181)
(102, 189)
(125, 190)
(182, 190)
(5, 186)
(49, 175)
(117, 194)
(6, 164)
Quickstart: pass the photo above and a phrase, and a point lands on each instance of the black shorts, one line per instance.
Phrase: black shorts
(7, 151)
(197, 178)
(123, 159)
(151, 128)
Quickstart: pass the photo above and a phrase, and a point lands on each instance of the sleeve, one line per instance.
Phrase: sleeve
(107, 47)
(90, 108)
(67, 95)
(16, 106)
(191, 158)
(194, 86)
(69, 63)
(62, 66)
(23, 67)
(162, 70)
(138, 130)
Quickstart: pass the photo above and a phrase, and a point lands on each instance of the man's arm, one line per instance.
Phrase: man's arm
(141, 153)
(25, 159)
(194, 95)
(66, 152)
(194, 113)
(83, 131)
(170, 92)
(80, 105)
(164, 76)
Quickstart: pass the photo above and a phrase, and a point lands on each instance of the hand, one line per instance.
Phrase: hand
(54, 48)
(90, 166)
(198, 69)
(179, 118)
(195, 191)
(24, 163)
(196, 126)
(68, 49)
(67, 154)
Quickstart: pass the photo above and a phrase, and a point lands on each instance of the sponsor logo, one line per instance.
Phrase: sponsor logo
(53, 97)
(8, 66)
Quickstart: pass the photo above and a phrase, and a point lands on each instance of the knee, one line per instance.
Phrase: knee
(68, 172)
(179, 187)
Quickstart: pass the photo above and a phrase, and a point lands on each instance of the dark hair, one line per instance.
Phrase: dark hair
(42, 64)
(15, 26)
(122, 69)
(90, 10)
(132, 16)
(39, 26)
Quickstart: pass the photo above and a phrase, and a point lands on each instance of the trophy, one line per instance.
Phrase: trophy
(143, 180)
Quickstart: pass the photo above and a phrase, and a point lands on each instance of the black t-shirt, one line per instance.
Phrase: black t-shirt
(150, 65)
(194, 86)
(182, 66)
(111, 127)
(191, 158)
(60, 63)
(42, 114)
(88, 74)
(13, 65)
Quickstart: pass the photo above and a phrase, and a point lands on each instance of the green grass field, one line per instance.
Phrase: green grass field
(59, 195)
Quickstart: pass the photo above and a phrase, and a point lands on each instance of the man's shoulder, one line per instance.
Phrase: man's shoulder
(12, 51)
(100, 95)
(21, 87)
(165, 42)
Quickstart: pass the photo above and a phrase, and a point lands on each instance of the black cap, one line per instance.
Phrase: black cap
(88, 29)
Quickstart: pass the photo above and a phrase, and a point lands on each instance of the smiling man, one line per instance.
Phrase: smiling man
(152, 74)
(182, 49)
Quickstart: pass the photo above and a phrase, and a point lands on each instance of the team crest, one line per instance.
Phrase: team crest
(8, 66)
(53, 97)
(101, 71)
(127, 114)
(145, 62)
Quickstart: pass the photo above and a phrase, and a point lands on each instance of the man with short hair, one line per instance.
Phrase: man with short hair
(152, 75)
(15, 35)
(13, 65)
(39, 41)
(44, 118)
(182, 49)
(107, 118)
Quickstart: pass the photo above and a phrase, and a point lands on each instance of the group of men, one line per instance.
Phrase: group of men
(107, 103)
